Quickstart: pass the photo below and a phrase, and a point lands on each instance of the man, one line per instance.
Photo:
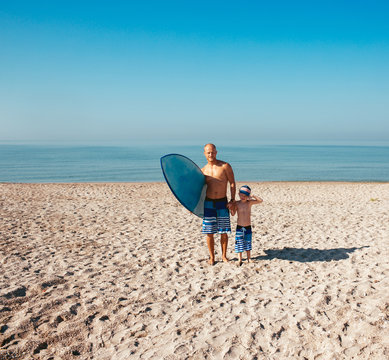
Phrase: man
(216, 207)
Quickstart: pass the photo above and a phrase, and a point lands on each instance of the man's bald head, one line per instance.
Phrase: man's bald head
(212, 145)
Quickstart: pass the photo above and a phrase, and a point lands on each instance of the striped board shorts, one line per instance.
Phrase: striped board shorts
(243, 238)
(216, 217)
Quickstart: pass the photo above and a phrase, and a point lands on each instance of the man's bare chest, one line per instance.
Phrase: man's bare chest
(217, 172)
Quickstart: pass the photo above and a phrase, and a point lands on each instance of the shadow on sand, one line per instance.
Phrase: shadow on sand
(308, 255)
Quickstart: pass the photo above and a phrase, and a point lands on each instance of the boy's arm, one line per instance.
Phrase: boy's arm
(255, 200)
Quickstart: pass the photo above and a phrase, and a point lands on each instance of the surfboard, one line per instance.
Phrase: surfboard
(186, 181)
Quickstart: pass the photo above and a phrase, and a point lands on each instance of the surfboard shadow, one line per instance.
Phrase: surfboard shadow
(308, 255)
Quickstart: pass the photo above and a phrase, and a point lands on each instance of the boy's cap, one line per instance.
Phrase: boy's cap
(245, 189)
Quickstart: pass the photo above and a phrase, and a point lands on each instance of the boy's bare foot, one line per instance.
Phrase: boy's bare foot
(240, 263)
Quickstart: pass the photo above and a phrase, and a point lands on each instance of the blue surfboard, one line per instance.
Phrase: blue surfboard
(186, 181)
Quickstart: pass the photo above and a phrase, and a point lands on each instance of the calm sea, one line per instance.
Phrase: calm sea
(41, 164)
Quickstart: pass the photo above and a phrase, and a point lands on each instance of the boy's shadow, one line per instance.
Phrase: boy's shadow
(308, 255)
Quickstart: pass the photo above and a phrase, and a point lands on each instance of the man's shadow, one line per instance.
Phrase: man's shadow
(308, 255)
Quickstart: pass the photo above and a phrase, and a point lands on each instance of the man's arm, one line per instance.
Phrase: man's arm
(231, 180)
(233, 208)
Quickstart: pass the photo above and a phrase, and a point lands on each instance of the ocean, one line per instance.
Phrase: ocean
(73, 164)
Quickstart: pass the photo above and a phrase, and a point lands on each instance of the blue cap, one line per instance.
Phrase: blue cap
(245, 189)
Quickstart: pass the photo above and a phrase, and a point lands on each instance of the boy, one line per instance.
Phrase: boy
(243, 229)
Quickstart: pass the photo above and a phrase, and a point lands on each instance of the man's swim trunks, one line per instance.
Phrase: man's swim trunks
(243, 238)
(216, 217)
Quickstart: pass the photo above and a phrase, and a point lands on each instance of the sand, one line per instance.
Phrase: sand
(119, 271)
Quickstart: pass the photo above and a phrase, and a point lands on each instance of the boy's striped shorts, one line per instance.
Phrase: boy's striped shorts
(243, 238)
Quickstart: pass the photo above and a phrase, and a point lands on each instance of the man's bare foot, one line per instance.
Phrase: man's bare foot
(211, 261)
(225, 260)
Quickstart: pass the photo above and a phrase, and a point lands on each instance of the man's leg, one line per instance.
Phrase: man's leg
(224, 244)
(223, 226)
(211, 248)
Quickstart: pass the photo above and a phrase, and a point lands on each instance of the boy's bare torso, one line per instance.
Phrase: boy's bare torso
(244, 212)
(216, 178)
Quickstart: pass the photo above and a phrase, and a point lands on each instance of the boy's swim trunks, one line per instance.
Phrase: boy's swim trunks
(243, 238)
(216, 217)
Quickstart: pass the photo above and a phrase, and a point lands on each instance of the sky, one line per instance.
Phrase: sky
(123, 72)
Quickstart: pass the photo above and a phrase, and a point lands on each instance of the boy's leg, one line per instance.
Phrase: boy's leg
(211, 248)
(239, 244)
(224, 244)
(247, 243)
(240, 259)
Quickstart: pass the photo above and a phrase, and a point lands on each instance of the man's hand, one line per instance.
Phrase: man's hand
(231, 204)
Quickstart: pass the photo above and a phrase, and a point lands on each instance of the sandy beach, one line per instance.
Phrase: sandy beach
(119, 271)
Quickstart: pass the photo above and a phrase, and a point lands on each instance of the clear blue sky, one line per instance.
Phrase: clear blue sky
(196, 71)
